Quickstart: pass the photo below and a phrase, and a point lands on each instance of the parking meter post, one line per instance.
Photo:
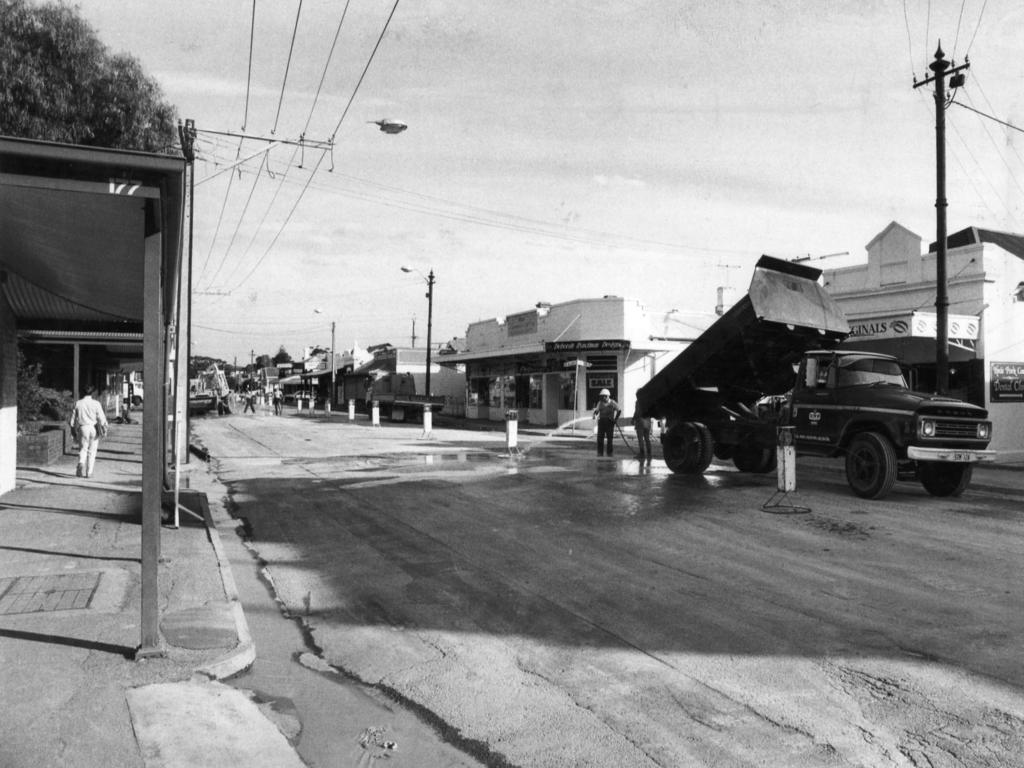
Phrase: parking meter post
(786, 460)
(786, 467)
(428, 421)
(375, 413)
(351, 409)
(512, 432)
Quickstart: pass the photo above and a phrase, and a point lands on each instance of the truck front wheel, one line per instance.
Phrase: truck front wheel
(871, 465)
(943, 479)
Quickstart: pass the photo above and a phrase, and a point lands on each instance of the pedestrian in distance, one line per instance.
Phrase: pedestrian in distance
(278, 401)
(642, 425)
(250, 402)
(607, 414)
(89, 423)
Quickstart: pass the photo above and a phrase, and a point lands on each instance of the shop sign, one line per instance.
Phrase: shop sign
(1007, 382)
(917, 325)
(595, 381)
(521, 324)
(603, 345)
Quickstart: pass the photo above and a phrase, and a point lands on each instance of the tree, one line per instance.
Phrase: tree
(58, 82)
(282, 356)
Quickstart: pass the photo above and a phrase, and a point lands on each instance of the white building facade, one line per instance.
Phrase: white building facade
(890, 304)
(550, 363)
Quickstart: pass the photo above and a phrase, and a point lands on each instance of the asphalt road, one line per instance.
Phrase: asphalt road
(558, 609)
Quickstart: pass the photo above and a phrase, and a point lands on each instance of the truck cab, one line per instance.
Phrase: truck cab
(857, 405)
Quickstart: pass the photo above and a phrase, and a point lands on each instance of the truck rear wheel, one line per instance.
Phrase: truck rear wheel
(943, 479)
(687, 448)
(871, 465)
(754, 458)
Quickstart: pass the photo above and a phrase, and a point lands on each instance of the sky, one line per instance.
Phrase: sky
(651, 149)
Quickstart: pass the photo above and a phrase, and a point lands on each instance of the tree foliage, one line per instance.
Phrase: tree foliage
(58, 82)
(282, 356)
(201, 363)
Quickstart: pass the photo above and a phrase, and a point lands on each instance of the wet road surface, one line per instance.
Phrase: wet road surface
(558, 609)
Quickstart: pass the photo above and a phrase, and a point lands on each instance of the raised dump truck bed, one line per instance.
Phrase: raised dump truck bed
(750, 351)
(771, 362)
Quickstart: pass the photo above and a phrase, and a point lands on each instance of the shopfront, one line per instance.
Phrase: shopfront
(890, 304)
(512, 364)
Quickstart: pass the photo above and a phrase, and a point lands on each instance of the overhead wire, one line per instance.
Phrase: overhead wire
(298, 145)
(910, 47)
(241, 218)
(976, 27)
(238, 154)
(959, 21)
(323, 154)
(248, 77)
(287, 67)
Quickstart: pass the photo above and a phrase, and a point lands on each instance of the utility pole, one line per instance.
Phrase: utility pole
(942, 69)
(330, 397)
(414, 331)
(430, 317)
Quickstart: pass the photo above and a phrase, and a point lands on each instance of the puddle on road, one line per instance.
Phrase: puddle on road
(331, 718)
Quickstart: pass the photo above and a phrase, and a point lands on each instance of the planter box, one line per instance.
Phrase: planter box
(44, 447)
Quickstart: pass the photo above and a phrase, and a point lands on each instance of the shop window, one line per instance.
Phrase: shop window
(494, 392)
(508, 388)
(477, 392)
(529, 391)
(567, 391)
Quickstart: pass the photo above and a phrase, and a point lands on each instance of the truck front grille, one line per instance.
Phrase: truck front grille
(967, 430)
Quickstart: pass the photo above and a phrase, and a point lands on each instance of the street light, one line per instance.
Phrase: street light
(430, 314)
(330, 396)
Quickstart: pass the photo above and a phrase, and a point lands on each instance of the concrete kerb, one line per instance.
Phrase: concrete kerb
(242, 655)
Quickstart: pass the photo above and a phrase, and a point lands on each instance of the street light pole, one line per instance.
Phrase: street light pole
(330, 397)
(942, 68)
(430, 315)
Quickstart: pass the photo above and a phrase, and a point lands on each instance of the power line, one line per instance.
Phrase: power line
(976, 28)
(990, 117)
(365, 69)
(287, 66)
(327, 64)
(248, 77)
(309, 179)
(300, 144)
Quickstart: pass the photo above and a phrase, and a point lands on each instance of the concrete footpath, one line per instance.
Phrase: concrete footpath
(73, 693)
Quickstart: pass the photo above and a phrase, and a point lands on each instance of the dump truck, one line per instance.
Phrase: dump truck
(772, 361)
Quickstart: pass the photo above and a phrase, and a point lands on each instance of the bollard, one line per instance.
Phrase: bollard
(786, 465)
(375, 414)
(786, 460)
(351, 409)
(428, 421)
(512, 432)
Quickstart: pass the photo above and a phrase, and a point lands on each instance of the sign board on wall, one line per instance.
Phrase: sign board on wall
(914, 324)
(1007, 382)
(521, 324)
(602, 345)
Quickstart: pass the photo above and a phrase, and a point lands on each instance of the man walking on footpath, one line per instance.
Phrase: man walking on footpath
(606, 413)
(89, 423)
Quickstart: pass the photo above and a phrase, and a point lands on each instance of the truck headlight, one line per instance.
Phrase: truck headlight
(927, 428)
(984, 431)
